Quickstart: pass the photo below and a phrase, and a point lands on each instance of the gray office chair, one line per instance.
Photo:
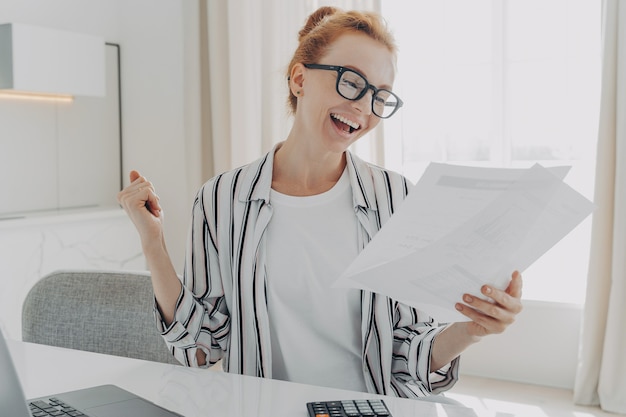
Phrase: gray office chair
(105, 312)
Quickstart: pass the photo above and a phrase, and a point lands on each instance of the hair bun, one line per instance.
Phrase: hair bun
(315, 18)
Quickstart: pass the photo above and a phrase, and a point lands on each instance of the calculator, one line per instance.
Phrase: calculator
(348, 408)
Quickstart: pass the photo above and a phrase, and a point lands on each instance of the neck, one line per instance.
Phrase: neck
(300, 170)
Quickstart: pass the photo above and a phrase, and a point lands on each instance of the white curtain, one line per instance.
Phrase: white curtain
(601, 374)
(246, 46)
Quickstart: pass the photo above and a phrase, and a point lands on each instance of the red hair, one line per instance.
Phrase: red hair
(325, 25)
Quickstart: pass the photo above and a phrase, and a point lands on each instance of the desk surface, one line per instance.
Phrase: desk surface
(45, 370)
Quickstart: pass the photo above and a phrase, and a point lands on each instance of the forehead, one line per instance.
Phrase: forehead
(368, 56)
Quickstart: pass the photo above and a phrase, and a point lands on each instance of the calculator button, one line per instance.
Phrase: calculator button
(349, 408)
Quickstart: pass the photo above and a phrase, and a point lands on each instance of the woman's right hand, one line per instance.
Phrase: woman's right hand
(141, 203)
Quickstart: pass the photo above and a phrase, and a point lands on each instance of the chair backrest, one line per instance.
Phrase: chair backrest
(105, 312)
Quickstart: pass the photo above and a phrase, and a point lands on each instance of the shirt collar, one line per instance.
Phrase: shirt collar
(257, 180)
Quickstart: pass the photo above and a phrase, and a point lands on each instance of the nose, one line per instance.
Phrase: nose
(364, 104)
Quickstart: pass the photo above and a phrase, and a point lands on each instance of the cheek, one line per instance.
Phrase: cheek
(318, 100)
(373, 122)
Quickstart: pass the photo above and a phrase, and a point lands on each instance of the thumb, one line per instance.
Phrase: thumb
(134, 175)
(515, 286)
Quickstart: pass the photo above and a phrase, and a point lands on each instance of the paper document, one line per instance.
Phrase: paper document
(462, 227)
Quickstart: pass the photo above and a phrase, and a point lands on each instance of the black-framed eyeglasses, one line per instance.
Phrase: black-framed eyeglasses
(353, 86)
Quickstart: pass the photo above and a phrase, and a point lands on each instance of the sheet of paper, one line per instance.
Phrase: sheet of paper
(462, 227)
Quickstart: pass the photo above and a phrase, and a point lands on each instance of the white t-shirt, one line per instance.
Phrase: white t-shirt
(315, 329)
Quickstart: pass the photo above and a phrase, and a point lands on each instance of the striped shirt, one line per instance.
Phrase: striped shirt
(222, 307)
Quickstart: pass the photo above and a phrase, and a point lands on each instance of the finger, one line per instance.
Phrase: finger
(501, 299)
(134, 175)
(488, 316)
(484, 324)
(508, 297)
(504, 313)
(143, 194)
(138, 180)
(141, 185)
(152, 203)
(138, 194)
(515, 286)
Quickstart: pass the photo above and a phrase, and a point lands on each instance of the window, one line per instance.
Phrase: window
(507, 84)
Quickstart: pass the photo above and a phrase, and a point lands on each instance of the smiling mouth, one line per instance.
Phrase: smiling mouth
(344, 124)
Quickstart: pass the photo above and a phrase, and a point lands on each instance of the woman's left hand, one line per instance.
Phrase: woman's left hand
(496, 314)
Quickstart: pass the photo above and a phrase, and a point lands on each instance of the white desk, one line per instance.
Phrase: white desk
(46, 370)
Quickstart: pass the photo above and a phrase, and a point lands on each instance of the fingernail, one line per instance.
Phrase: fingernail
(459, 307)
(468, 298)
(487, 290)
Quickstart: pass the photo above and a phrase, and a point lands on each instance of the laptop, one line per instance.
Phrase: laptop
(100, 401)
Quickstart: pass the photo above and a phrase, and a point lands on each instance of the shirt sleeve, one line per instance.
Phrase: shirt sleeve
(201, 319)
(414, 334)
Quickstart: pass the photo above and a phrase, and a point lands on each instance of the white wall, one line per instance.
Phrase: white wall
(152, 39)
(540, 348)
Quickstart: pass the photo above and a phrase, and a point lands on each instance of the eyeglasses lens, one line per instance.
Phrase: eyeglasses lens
(384, 103)
(351, 86)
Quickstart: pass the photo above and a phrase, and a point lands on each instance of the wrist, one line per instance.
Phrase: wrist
(470, 332)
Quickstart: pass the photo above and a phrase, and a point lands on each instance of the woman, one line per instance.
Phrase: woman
(269, 238)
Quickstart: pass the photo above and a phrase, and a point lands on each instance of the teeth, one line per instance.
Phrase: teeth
(342, 119)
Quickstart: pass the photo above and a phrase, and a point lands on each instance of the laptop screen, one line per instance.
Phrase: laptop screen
(12, 400)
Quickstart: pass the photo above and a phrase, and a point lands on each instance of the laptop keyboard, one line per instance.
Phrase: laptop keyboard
(53, 407)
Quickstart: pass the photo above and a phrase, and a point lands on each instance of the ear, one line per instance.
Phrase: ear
(296, 79)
